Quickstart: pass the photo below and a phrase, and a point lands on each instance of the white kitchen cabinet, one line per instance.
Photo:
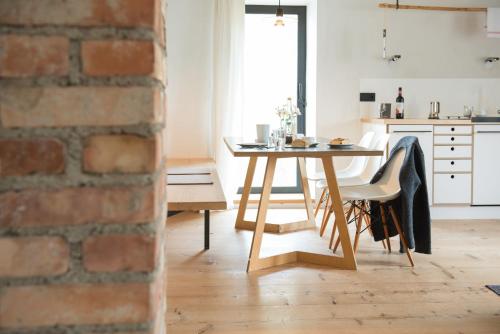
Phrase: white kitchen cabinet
(452, 188)
(424, 135)
(486, 170)
(453, 140)
(453, 129)
(452, 166)
(450, 152)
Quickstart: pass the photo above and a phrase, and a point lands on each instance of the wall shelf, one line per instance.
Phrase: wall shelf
(434, 8)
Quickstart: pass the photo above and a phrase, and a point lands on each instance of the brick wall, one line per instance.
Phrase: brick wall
(82, 198)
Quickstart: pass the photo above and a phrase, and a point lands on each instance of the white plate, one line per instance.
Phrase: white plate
(253, 145)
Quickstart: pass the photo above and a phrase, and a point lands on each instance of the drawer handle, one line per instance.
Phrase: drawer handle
(452, 138)
(452, 163)
(453, 176)
(453, 149)
(452, 129)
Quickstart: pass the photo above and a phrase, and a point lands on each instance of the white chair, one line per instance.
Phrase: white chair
(355, 168)
(371, 167)
(383, 191)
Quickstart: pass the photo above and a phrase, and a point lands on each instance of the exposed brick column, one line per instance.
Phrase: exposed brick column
(82, 198)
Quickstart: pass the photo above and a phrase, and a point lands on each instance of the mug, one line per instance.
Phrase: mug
(263, 131)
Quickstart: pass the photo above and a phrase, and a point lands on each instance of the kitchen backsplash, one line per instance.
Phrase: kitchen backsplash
(453, 94)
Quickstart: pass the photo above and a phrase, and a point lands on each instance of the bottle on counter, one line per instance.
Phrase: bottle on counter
(400, 104)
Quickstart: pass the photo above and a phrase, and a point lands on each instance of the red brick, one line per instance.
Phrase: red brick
(31, 156)
(73, 206)
(121, 154)
(78, 304)
(119, 13)
(79, 106)
(32, 256)
(110, 253)
(24, 56)
(126, 57)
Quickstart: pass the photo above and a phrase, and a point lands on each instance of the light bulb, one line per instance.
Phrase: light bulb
(279, 23)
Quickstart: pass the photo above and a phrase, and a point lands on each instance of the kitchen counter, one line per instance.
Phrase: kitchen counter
(421, 121)
(416, 121)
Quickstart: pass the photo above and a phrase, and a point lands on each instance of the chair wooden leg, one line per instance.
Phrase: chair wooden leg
(349, 212)
(368, 222)
(332, 236)
(384, 224)
(318, 206)
(348, 216)
(401, 235)
(326, 220)
(325, 214)
(366, 217)
(358, 227)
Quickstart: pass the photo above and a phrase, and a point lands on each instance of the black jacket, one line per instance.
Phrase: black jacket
(412, 205)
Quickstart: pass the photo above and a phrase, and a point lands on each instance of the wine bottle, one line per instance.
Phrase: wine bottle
(400, 104)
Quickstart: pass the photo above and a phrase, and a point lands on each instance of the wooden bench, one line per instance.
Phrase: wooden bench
(194, 185)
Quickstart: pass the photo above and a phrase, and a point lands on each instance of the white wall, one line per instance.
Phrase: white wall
(189, 66)
(453, 95)
(432, 45)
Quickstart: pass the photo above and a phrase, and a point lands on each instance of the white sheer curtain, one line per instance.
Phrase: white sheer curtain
(227, 118)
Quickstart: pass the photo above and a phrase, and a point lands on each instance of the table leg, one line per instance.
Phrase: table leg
(207, 229)
(243, 224)
(306, 191)
(246, 193)
(261, 214)
(348, 252)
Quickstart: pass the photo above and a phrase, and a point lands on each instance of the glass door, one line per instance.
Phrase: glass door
(275, 69)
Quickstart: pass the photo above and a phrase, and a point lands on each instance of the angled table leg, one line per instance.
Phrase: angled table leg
(261, 214)
(338, 209)
(247, 187)
(243, 224)
(306, 191)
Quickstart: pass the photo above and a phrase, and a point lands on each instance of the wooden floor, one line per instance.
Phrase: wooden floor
(210, 292)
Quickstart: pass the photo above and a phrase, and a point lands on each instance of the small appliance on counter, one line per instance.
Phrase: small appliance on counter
(468, 110)
(385, 110)
(435, 109)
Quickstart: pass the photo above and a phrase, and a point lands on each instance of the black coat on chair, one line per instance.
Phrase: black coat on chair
(412, 205)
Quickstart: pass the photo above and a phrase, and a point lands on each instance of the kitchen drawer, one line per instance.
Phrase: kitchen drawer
(452, 140)
(452, 166)
(452, 188)
(441, 152)
(410, 128)
(453, 129)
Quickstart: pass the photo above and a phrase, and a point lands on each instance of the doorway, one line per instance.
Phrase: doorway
(275, 69)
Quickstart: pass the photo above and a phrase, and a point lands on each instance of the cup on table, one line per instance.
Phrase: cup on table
(263, 132)
(278, 139)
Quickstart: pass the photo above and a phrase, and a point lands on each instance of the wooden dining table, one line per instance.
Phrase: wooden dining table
(326, 155)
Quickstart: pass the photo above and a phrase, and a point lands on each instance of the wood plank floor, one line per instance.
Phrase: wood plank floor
(210, 292)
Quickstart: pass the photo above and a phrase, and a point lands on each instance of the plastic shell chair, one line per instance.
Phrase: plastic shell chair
(383, 191)
(371, 167)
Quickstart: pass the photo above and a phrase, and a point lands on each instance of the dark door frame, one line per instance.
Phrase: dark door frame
(301, 12)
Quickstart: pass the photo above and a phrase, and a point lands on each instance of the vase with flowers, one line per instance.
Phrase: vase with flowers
(288, 114)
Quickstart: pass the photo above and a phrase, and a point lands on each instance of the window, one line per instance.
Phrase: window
(275, 69)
